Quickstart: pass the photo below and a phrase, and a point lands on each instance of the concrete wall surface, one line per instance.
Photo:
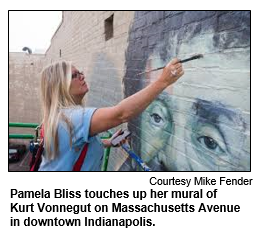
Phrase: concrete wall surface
(24, 92)
(201, 123)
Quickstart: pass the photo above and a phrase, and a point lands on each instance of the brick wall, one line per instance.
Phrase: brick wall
(24, 100)
(201, 123)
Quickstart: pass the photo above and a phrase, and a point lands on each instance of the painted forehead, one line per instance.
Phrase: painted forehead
(205, 45)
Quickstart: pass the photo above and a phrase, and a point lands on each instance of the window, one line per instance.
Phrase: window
(109, 27)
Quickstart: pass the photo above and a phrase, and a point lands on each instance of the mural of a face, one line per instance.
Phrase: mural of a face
(156, 125)
(202, 122)
(216, 135)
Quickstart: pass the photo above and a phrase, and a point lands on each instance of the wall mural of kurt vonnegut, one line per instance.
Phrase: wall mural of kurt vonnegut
(201, 123)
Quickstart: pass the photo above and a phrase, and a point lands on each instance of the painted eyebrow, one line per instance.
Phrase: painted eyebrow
(210, 111)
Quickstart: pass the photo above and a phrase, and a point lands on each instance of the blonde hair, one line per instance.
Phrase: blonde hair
(55, 86)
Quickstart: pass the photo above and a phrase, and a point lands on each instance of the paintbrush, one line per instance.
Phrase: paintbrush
(197, 56)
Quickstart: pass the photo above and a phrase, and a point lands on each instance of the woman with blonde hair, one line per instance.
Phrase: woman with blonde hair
(68, 125)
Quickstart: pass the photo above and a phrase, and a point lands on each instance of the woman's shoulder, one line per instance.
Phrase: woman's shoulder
(76, 110)
(77, 114)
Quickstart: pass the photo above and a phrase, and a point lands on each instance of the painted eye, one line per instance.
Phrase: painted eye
(210, 143)
(156, 119)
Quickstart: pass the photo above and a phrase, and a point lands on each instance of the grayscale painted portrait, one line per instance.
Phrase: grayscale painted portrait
(202, 123)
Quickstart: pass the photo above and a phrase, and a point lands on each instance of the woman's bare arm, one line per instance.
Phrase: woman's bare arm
(109, 117)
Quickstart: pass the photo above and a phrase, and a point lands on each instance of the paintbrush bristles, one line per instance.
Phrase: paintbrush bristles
(197, 56)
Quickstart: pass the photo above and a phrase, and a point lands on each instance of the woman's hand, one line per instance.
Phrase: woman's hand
(172, 72)
(108, 142)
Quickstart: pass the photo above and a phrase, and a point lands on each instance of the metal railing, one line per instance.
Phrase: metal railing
(23, 125)
(36, 127)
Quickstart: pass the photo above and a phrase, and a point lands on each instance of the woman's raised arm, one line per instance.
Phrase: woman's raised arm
(109, 117)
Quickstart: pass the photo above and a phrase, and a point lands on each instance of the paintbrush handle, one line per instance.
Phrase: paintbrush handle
(159, 68)
(181, 61)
